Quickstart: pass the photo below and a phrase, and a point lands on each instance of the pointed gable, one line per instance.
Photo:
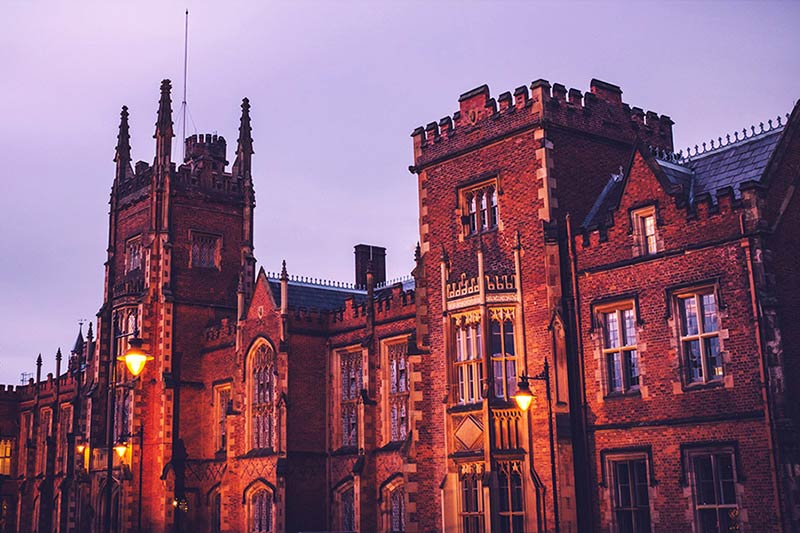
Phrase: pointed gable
(262, 300)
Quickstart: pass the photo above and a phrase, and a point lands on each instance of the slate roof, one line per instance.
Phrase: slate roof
(314, 296)
(733, 164)
(708, 172)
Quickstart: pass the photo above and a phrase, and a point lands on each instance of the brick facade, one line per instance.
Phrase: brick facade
(649, 297)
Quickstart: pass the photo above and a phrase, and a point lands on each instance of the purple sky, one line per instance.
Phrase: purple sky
(335, 88)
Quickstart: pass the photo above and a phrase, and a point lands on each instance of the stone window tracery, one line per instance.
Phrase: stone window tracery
(262, 395)
(468, 357)
(511, 507)
(260, 511)
(205, 250)
(397, 390)
(479, 207)
(504, 359)
(350, 385)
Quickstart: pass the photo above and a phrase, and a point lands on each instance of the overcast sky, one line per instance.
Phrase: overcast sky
(336, 88)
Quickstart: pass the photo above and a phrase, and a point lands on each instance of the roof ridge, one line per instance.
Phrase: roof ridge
(315, 282)
(737, 140)
(718, 144)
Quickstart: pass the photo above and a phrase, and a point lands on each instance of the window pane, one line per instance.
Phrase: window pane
(612, 330)
(508, 337)
(478, 342)
(704, 477)
(622, 481)
(630, 327)
(614, 372)
(725, 473)
(689, 315)
(511, 377)
(497, 341)
(713, 357)
(708, 521)
(497, 368)
(469, 342)
(625, 522)
(709, 313)
(516, 493)
(633, 368)
(693, 362)
(505, 492)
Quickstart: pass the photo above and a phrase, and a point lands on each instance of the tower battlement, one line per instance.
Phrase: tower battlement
(481, 118)
(206, 147)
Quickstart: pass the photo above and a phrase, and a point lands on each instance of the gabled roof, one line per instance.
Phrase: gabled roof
(726, 166)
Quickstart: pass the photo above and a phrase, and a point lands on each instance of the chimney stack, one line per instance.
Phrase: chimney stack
(370, 257)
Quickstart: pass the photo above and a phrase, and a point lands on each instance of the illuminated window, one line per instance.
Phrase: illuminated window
(262, 394)
(468, 357)
(350, 385)
(479, 208)
(619, 348)
(699, 336)
(205, 250)
(504, 359)
(6, 446)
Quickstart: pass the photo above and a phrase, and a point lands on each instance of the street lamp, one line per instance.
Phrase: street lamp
(524, 398)
(135, 359)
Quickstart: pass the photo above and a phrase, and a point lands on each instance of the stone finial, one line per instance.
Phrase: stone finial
(164, 120)
(284, 273)
(122, 155)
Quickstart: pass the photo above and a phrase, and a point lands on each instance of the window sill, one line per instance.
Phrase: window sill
(704, 385)
(259, 452)
(481, 232)
(345, 450)
(630, 393)
(466, 408)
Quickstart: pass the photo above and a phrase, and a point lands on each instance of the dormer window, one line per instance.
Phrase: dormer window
(479, 208)
(644, 230)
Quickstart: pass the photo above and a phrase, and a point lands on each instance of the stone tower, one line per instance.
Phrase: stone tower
(180, 256)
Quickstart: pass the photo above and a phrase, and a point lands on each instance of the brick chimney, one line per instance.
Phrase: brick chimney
(365, 254)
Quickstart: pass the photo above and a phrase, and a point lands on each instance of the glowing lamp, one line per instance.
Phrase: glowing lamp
(80, 447)
(135, 358)
(524, 396)
(121, 448)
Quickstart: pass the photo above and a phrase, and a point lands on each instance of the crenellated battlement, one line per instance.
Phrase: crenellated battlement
(206, 147)
(480, 118)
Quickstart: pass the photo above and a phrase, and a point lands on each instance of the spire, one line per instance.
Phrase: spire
(39, 368)
(244, 148)
(78, 348)
(122, 155)
(164, 133)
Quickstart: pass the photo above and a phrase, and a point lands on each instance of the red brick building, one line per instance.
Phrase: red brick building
(647, 295)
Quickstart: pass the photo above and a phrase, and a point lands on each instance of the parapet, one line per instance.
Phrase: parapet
(480, 119)
(206, 147)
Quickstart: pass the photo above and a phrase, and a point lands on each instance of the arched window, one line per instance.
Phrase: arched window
(215, 502)
(393, 506)
(260, 511)
(262, 394)
(345, 508)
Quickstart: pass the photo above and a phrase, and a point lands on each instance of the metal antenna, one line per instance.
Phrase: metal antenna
(185, 65)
